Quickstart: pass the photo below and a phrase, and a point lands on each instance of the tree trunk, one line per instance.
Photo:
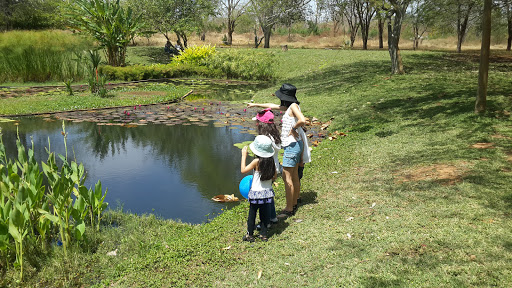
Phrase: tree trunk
(509, 25)
(364, 33)
(394, 31)
(416, 38)
(483, 73)
(231, 29)
(462, 25)
(230, 38)
(381, 32)
(266, 33)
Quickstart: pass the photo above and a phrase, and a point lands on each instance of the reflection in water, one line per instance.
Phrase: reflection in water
(171, 171)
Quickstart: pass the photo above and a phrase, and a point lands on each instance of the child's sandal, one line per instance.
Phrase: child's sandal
(263, 238)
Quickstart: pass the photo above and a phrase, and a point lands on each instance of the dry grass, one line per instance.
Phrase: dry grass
(322, 41)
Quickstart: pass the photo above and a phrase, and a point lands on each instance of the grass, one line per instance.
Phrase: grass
(404, 200)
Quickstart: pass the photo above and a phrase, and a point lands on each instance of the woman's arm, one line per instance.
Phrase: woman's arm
(247, 168)
(263, 105)
(301, 120)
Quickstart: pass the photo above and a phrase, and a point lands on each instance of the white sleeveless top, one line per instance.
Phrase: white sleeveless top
(288, 123)
(260, 189)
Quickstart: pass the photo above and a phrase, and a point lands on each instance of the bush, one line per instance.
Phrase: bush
(197, 55)
(140, 72)
(201, 62)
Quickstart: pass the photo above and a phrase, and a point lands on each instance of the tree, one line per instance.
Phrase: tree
(181, 17)
(349, 8)
(29, 14)
(507, 6)
(365, 11)
(109, 23)
(396, 14)
(421, 14)
(481, 97)
(233, 9)
(335, 11)
(269, 12)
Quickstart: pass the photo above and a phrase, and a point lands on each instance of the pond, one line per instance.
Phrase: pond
(168, 170)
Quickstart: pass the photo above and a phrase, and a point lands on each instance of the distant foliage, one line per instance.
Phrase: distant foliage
(197, 55)
(42, 56)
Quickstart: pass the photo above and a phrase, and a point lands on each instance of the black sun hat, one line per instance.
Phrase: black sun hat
(287, 93)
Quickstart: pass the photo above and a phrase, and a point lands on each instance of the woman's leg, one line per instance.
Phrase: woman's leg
(288, 187)
(296, 184)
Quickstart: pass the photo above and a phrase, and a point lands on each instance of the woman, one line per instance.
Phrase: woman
(293, 119)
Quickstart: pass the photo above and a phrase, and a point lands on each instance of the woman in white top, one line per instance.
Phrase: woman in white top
(293, 119)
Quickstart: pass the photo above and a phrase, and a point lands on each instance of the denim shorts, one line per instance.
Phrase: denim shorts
(292, 154)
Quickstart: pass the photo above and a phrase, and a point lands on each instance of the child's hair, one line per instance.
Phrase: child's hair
(270, 130)
(267, 168)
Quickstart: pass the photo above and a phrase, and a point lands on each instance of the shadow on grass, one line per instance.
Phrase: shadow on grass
(308, 198)
(375, 281)
(152, 55)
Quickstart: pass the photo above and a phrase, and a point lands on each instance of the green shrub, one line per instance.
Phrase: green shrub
(247, 65)
(140, 72)
(42, 56)
(197, 55)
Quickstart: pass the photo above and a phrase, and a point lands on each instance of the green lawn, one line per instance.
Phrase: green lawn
(405, 200)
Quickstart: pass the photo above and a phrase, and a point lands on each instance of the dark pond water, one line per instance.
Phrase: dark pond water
(170, 171)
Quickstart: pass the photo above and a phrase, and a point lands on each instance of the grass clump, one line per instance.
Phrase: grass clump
(42, 56)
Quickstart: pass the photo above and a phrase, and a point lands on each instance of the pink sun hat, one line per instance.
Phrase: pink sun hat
(265, 116)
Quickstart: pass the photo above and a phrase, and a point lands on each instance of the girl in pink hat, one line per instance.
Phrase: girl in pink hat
(265, 126)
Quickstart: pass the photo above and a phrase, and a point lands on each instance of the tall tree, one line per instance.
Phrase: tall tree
(421, 14)
(29, 14)
(349, 8)
(181, 17)
(507, 6)
(335, 10)
(396, 13)
(481, 97)
(233, 9)
(365, 9)
(270, 12)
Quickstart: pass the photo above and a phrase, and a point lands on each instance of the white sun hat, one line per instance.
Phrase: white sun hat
(262, 146)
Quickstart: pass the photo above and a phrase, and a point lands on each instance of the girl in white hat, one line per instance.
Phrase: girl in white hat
(261, 192)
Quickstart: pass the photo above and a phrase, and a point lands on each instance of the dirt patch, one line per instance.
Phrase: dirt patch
(444, 173)
(509, 156)
(483, 145)
(499, 136)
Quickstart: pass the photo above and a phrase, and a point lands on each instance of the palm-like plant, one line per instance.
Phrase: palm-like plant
(110, 24)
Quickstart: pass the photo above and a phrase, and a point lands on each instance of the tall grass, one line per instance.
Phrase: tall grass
(42, 56)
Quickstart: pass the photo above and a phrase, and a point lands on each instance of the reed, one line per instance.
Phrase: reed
(40, 56)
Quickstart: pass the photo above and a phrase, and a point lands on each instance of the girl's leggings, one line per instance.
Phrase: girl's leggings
(264, 218)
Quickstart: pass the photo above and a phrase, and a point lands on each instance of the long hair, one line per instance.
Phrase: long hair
(267, 168)
(270, 130)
